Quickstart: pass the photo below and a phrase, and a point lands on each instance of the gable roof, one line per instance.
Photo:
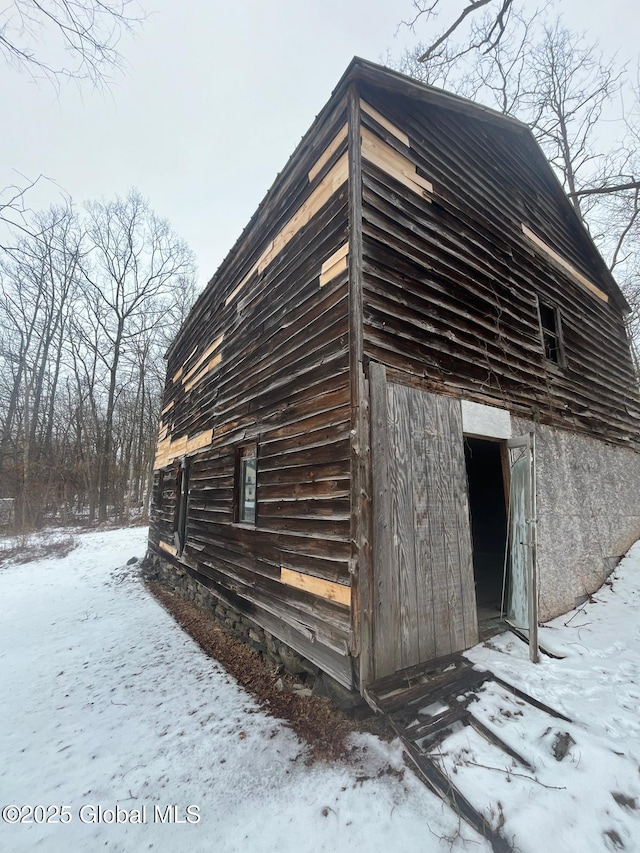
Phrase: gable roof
(394, 83)
(361, 71)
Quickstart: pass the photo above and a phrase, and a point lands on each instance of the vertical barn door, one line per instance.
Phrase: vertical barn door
(522, 603)
(423, 591)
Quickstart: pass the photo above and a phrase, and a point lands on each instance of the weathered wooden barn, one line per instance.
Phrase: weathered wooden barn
(406, 396)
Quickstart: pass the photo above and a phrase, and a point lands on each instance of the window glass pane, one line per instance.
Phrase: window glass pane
(160, 497)
(248, 489)
(181, 507)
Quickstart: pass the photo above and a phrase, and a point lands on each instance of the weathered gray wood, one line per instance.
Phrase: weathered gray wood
(493, 738)
(426, 592)
(442, 721)
(450, 287)
(361, 486)
(535, 702)
(422, 546)
(440, 534)
(403, 549)
(442, 785)
(522, 609)
(335, 663)
(389, 684)
(448, 686)
(383, 592)
(468, 608)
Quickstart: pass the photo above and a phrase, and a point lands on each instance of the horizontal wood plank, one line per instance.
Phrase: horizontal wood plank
(316, 586)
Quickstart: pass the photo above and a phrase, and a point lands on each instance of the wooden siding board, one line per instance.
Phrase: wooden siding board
(383, 591)
(425, 600)
(340, 593)
(360, 458)
(335, 663)
(442, 288)
(461, 267)
(404, 615)
(283, 357)
(427, 591)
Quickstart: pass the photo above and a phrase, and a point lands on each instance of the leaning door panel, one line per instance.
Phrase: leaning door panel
(424, 597)
(522, 602)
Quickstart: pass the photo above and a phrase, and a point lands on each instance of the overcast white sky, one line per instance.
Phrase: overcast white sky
(215, 99)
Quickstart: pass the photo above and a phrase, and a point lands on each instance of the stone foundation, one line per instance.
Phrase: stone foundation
(278, 655)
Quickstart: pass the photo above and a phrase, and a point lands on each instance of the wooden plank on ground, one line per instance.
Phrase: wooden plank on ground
(444, 720)
(493, 738)
(530, 699)
(405, 678)
(430, 688)
(452, 684)
(440, 784)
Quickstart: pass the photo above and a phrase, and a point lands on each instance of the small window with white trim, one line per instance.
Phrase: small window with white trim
(247, 481)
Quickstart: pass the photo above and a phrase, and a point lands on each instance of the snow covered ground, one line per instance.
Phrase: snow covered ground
(106, 704)
(597, 685)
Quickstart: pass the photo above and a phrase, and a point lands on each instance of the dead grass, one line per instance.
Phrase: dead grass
(317, 721)
(24, 549)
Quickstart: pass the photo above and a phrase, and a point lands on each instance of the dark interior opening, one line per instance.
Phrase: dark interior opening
(488, 522)
(550, 328)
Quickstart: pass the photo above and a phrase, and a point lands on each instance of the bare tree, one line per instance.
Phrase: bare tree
(87, 310)
(59, 39)
(558, 83)
(571, 86)
(527, 64)
(40, 287)
(137, 271)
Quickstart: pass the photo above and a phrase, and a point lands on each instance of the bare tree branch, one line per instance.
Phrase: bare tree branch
(527, 64)
(38, 37)
(632, 218)
(616, 188)
(489, 39)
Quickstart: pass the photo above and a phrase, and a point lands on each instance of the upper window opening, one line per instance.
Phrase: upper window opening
(181, 507)
(551, 332)
(160, 492)
(247, 477)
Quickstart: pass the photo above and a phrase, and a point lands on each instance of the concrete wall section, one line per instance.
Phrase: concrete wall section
(588, 513)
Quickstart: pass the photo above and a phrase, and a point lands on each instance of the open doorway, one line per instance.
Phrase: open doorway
(487, 505)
